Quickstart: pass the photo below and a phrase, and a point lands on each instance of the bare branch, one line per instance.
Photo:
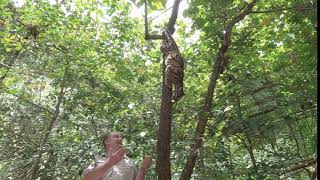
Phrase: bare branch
(161, 13)
(155, 37)
(5, 66)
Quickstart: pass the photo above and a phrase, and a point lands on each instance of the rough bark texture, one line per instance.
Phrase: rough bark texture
(163, 166)
(218, 67)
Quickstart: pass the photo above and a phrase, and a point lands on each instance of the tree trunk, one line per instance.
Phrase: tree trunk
(202, 122)
(164, 132)
(163, 166)
(218, 66)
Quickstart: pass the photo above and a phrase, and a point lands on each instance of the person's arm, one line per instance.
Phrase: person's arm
(96, 172)
(144, 166)
(99, 171)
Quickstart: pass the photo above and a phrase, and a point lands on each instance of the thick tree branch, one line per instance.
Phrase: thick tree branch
(298, 166)
(173, 16)
(154, 37)
(170, 25)
(146, 29)
(148, 36)
(217, 69)
(302, 164)
(285, 9)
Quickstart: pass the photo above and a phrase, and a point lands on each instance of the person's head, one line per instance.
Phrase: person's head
(112, 140)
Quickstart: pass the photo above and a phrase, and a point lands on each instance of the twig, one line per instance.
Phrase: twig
(170, 25)
(5, 66)
(41, 107)
(160, 14)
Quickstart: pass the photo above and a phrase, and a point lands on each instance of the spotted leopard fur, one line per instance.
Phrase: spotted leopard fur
(174, 65)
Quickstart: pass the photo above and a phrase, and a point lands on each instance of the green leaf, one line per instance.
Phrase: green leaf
(19, 46)
(153, 4)
(157, 4)
(8, 49)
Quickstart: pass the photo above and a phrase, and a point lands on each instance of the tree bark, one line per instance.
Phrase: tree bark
(314, 174)
(218, 66)
(163, 166)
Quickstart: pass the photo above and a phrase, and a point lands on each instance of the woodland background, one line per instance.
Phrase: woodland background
(72, 70)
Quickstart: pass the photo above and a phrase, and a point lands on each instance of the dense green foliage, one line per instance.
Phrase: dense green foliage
(92, 56)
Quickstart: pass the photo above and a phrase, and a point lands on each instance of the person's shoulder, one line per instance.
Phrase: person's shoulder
(97, 160)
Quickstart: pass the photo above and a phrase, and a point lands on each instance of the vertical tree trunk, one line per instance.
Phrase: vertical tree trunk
(163, 166)
(164, 132)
